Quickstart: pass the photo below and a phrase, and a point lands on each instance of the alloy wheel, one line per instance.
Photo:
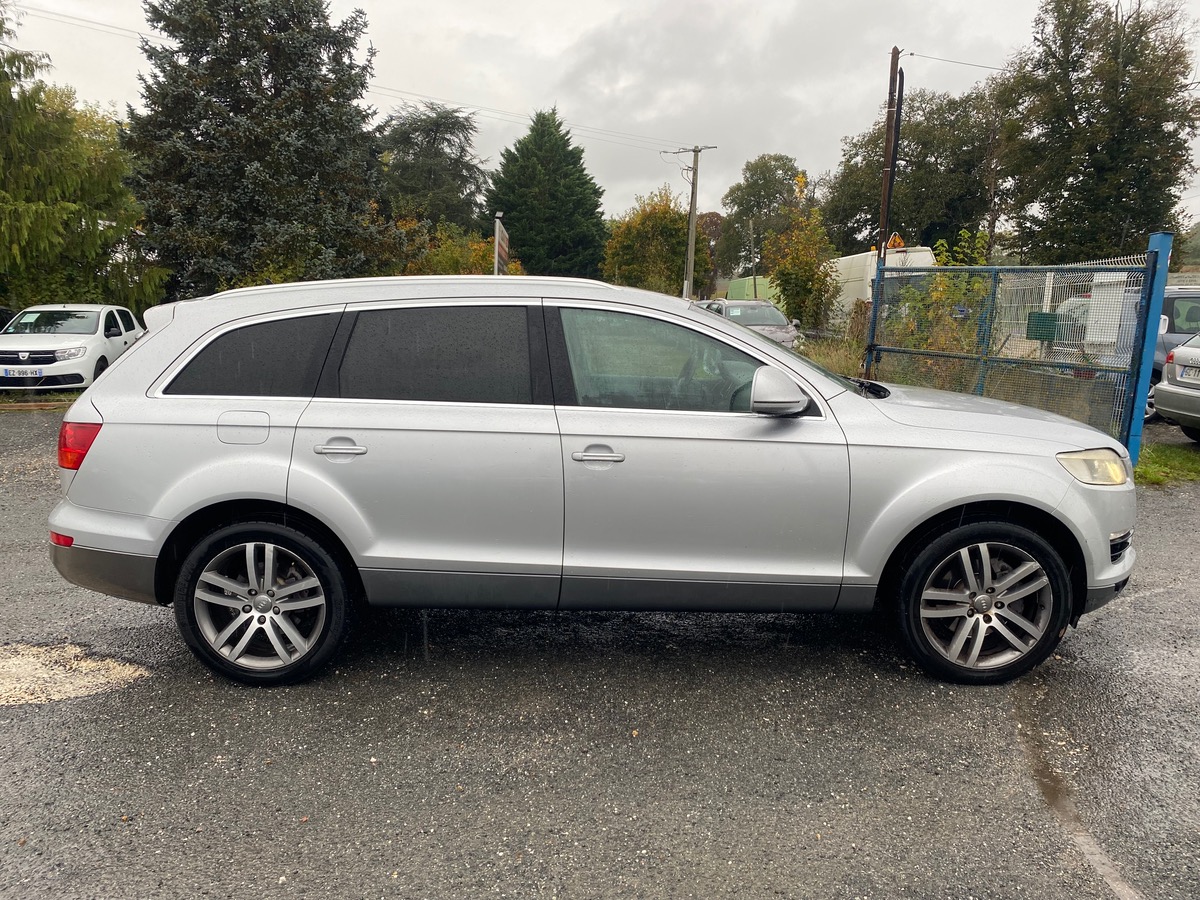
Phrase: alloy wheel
(259, 605)
(986, 605)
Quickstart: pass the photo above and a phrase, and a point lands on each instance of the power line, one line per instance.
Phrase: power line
(79, 22)
(956, 62)
(585, 132)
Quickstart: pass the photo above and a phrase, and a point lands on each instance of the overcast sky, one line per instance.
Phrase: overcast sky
(631, 77)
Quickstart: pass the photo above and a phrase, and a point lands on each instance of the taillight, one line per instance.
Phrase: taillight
(61, 540)
(1171, 356)
(74, 441)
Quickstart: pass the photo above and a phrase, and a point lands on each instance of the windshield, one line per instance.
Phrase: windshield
(57, 321)
(758, 314)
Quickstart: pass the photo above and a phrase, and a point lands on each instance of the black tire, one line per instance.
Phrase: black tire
(1189, 432)
(101, 365)
(986, 628)
(1151, 411)
(255, 633)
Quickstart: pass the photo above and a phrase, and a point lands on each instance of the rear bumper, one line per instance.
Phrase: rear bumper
(123, 575)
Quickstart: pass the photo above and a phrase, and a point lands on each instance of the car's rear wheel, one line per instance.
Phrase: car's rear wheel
(1151, 412)
(1193, 433)
(261, 603)
(983, 603)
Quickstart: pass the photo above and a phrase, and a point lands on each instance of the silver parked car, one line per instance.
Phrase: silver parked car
(762, 316)
(1179, 390)
(266, 458)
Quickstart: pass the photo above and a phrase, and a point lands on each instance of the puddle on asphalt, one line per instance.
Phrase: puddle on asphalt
(32, 674)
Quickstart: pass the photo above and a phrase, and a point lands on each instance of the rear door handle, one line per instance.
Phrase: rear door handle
(586, 456)
(348, 449)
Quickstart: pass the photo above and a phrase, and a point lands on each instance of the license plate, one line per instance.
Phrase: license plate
(22, 373)
(1192, 372)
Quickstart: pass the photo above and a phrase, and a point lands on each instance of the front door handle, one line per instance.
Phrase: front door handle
(591, 456)
(348, 449)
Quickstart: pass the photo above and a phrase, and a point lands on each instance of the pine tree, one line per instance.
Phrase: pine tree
(67, 224)
(551, 204)
(254, 159)
(430, 168)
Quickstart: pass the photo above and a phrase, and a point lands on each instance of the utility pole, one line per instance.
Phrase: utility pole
(753, 261)
(889, 155)
(691, 247)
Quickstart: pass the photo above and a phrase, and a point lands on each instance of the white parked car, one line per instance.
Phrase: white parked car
(64, 345)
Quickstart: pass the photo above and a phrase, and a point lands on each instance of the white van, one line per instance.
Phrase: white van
(856, 274)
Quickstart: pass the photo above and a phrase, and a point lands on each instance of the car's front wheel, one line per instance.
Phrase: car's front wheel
(984, 602)
(261, 603)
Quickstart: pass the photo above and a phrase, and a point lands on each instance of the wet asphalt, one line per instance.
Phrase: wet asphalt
(496, 754)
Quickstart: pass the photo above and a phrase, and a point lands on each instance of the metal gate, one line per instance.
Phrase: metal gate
(1075, 340)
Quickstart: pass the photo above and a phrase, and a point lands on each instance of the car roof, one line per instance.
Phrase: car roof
(244, 302)
(68, 307)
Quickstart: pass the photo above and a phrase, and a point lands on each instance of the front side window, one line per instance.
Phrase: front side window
(454, 354)
(281, 358)
(110, 324)
(635, 362)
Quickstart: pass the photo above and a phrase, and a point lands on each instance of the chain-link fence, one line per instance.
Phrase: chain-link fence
(1067, 339)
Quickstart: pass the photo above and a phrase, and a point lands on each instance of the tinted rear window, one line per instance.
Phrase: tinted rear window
(465, 354)
(282, 358)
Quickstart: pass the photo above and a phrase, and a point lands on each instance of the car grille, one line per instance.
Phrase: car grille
(46, 381)
(1118, 544)
(36, 357)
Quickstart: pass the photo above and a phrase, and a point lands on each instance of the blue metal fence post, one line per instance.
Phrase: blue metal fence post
(1160, 241)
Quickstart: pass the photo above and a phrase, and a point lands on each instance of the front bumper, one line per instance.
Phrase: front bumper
(123, 575)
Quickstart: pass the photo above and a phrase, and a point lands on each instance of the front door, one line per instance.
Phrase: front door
(677, 496)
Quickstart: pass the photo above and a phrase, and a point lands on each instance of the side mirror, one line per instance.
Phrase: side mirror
(774, 394)
(796, 324)
(113, 333)
(1164, 325)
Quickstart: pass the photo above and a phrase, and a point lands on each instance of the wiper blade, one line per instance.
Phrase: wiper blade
(871, 388)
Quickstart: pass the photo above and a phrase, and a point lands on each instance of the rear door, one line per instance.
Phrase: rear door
(432, 448)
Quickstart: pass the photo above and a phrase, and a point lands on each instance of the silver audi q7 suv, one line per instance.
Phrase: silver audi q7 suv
(266, 459)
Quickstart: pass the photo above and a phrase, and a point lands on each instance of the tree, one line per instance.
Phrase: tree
(648, 245)
(1101, 111)
(67, 224)
(766, 196)
(945, 173)
(254, 159)
(798, 259)
(551, 204)
(454, 251)
(430, 167)
(709, 226)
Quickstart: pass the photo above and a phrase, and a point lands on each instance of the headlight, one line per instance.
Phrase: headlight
(70, 353)
(1100, 466)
